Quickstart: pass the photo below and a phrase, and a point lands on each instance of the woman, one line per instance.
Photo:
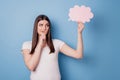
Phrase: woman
(41, 54)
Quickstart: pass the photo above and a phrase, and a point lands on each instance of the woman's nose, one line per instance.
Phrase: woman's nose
(44, 27)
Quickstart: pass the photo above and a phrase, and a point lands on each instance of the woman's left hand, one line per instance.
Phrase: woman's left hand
(80, 27)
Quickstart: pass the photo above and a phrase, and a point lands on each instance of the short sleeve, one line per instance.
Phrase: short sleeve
(26, 45)
(59, 43)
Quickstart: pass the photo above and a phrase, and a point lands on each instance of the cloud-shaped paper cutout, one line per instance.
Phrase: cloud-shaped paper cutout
(80, 14)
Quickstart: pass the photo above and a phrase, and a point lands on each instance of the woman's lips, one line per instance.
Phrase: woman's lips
(43, 31)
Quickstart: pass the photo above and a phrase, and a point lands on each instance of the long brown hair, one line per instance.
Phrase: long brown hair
(35, 35)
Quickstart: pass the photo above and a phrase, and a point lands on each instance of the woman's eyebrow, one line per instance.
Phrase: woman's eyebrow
(41, 23)
(48, 24)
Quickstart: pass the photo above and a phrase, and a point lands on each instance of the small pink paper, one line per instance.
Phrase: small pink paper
(80, 14)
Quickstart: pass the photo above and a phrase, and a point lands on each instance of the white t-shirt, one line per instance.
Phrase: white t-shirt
(48, 68)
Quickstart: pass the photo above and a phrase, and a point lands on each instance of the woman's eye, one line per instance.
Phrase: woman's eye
(40, 25)
(48, 25)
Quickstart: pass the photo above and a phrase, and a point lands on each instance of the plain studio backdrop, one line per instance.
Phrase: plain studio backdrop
(101, 37)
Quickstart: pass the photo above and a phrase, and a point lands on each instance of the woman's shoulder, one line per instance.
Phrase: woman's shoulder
(27, 42)
(26, 45)
(57, 41)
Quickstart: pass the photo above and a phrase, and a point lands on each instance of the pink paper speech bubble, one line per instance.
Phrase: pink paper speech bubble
(80, 14)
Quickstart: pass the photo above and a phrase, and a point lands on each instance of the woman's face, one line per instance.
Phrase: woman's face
(43, 27)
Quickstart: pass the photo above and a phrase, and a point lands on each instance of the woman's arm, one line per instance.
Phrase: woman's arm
(32, 60)
(78, 53)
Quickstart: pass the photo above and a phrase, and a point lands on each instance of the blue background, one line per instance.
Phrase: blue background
(101, 37)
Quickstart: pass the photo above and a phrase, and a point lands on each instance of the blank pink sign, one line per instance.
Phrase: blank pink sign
(80, 14)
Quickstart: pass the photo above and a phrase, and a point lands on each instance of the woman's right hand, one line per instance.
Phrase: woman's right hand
(42, 39)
